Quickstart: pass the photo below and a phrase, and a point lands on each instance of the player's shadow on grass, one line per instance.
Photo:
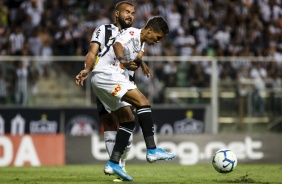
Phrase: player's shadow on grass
(242, 179)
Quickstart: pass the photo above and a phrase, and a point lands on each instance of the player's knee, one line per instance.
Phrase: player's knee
(126, 118)
(146, 102)
(130, 125)
(109, 122)
(124, 114)
(142, 102)
(110, 127)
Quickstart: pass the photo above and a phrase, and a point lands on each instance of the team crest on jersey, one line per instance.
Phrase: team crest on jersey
(116, 90)
(131, 33)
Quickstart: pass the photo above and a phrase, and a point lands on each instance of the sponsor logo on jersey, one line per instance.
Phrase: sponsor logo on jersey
(121, 66)
(98, 33)
(116, 90)
(135, 44)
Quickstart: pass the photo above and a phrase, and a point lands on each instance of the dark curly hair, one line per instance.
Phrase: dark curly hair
(158, 24)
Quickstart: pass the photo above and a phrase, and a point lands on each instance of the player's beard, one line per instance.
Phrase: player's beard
(123, 24)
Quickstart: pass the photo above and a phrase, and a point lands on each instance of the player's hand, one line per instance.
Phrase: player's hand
(131, 65)
(146, 70)
(83, 74)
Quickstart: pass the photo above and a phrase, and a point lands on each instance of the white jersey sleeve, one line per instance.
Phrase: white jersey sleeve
(98, 36)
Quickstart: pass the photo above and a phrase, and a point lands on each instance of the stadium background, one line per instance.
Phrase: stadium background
(198, 107)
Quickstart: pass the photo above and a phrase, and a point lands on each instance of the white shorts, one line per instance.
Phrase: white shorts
(110, 87)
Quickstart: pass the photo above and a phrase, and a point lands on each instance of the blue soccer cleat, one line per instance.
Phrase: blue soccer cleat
(112, 168)
(158, 154)
(120, 179)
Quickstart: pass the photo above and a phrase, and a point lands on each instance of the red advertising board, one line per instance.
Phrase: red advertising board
(32, 150)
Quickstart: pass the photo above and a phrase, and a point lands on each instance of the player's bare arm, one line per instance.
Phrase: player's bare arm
(145, 68)
(131, 65)
(89, 62)
(118, 49)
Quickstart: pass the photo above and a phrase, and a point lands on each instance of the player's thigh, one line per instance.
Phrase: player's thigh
(136, 98)
(108, 120)
(100, 107)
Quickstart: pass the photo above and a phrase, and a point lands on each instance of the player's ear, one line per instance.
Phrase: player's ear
(117, 13)
(150, 30)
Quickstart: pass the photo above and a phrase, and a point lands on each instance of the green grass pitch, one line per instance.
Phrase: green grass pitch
(143, 174)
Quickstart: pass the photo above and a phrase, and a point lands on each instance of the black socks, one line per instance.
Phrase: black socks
(144, 115)
(122, 137)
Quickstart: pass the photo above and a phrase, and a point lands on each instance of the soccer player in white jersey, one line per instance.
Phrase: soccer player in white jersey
(124, 14)
(117, 93)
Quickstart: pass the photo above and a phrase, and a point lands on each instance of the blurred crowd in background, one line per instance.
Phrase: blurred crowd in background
(197, 28)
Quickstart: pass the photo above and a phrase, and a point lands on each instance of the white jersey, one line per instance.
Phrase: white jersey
(102, 34)
(130, 40)
(110, 82)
